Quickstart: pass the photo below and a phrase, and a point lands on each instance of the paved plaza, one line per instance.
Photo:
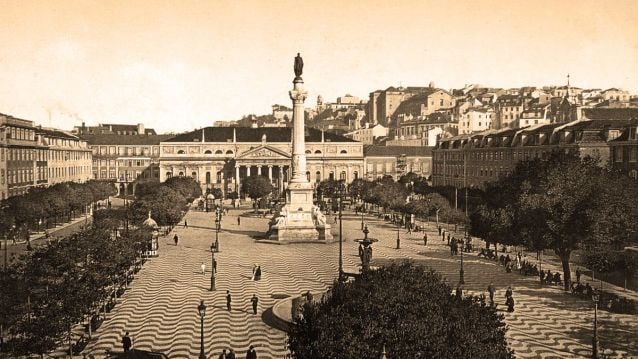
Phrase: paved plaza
(160, 308)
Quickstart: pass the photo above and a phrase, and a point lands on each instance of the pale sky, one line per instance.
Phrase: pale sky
(178, 65)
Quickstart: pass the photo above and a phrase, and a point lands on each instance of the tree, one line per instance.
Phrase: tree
(186, 186)
(403, 307)
(167, 206)
(257, 187)
(436, 203)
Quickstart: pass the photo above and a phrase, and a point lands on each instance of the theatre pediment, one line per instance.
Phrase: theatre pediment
(264, 152)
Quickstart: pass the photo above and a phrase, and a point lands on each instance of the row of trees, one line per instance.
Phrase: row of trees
(389, 195)
(63, 283)
(44, 207)
(166, 201)
(561, 203)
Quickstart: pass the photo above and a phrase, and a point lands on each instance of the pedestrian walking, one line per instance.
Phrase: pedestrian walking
(176, 239)
(258, 273)
(238, 221)
(203, 266)
(578, 275)
(409, 228)
(231, 354)
(222, 355)
(425, 239)
(335, 219)
(510, 302)
(508, 292)
(439, 230)
(228, 301)
(185, 224)
(251, 353)
(254, 300)
(254, 272)
(448, 238)
(491, 290)
(126, 342)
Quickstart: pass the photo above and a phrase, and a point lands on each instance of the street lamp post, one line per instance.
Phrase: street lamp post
(341, 189)
(594, 342)
(213, 249)
(398, 238)
(201, 308)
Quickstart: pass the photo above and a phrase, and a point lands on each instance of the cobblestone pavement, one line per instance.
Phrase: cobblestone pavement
(160, 308)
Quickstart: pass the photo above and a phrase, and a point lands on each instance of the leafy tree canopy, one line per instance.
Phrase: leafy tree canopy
(404, 307)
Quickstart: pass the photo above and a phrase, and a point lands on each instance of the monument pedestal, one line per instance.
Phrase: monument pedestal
(299, 220)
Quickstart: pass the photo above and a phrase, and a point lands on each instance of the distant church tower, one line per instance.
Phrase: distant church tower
(319, 104)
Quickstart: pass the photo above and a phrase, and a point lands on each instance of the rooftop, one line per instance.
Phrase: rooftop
(111, 139)
(248, 134)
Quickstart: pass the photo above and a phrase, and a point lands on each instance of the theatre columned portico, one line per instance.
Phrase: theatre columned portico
(222, 157)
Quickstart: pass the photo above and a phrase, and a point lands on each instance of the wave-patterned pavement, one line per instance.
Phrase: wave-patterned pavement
(160, 308)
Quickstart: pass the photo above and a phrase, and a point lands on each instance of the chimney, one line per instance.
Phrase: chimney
(140, 128)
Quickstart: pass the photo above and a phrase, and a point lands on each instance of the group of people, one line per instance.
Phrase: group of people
(549, 278)
(230, 354)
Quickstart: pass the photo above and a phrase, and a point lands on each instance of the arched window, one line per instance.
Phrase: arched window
(194, 175)
(218, 152)
(208, 152)
(342, 176)
(331, 176)
(308, 175)
(356, 174)
(207, 177)
(169, 175)
(317, 152)
(308, 152)
(180, 152)
(343, 152)
(318, 176)
(229, 152)
(181, 173)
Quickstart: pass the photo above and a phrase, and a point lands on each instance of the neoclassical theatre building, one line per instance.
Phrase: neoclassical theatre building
(221, 157)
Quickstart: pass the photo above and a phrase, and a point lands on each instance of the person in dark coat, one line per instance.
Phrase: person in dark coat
(222, 355)
(258, 273)
(425, 239)
(238, 221)
(254, 301)
(439, 230)
(176, 239)
(231, 354)
(251, 353)
(126, 342)
(228, 300)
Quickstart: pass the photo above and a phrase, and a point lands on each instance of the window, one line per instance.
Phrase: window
(207, 177)
(632, 154)
(308, 176)
(317, 152)
(343, 152)
(208, 152)
(618, 154)
(229, 152)
(180, 173)
(169, 174)
(342, 176)
(318, 176)
(219, 152)
(633, 174)
(194, 175)
(308, 152)
(180, 152)
(356, 174)
(331, 176)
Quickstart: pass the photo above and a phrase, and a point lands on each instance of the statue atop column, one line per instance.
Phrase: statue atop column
(298, 66)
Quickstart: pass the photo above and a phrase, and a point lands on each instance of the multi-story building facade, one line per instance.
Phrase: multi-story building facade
(614, 94)
(508, 110)
(125, 159)
(396, 161)
(384, 103)
(21, 156)
(67, 158)
(477, 159)
(367, 135)
(113, 129)
(476, 119)
(222, 157)
(624, 151)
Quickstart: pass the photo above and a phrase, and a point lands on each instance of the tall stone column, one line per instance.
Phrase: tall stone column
(280, 182)
(298, 96)
(237, 179)
(258, 170)
(270, 173)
